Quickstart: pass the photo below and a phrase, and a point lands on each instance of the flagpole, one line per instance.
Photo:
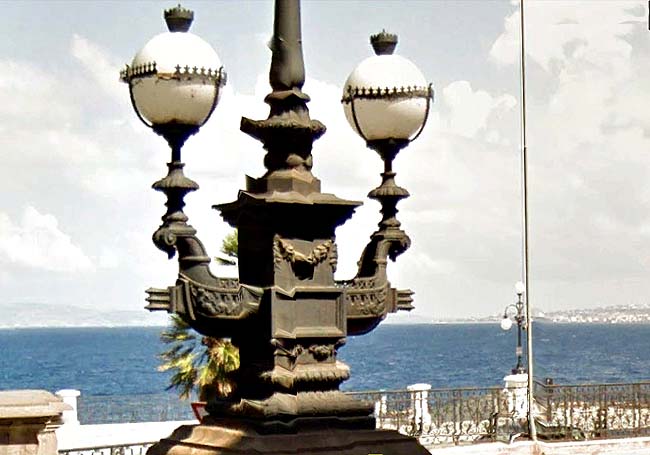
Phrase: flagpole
(524, 181)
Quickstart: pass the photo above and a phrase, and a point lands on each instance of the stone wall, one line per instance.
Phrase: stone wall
(28, 420)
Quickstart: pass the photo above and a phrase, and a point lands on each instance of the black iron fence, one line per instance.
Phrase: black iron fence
(450, 416)
(119, 449)
(590, 411)
(443, 416)
(159, 407)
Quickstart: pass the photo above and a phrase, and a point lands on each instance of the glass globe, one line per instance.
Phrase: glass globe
(520, 288)
(176, 76)
(506, 324)
(176, 93)
(386, 96)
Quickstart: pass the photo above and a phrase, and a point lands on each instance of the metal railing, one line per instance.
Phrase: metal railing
(436, 416)
(118, 449)
(590, 411)
(160, 407)
(442, 416)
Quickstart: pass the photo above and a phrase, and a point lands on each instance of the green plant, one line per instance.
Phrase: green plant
(200, 363)
(229, 248)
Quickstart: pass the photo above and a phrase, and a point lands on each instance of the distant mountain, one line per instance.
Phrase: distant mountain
(26, 315)
(614, 314)
(404, 317)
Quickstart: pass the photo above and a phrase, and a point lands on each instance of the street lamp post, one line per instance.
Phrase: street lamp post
(517, 313)
(285, 312)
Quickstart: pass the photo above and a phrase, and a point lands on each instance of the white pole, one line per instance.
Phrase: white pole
(524, 178)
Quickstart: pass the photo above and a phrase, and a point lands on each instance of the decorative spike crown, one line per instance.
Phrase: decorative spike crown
(179, 19)
(383, 43)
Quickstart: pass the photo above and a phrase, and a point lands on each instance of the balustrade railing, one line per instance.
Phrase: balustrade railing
(589, 411)
(118, 449)
(436, 416)
(442, 416)
(160, 407)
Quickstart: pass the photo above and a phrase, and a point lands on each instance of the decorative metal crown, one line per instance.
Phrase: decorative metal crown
(179, 19)
(131, 72)
(383, 43)
(218, 77)
(387, 93)
(186, 72)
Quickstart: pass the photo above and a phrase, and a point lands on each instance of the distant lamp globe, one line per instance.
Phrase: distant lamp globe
(506, 324)
(175, 80)
(520, 288)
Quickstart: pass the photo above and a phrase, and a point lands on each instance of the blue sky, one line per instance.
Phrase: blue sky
(77, 211)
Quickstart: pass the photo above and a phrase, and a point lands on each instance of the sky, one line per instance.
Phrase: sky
(77, 211)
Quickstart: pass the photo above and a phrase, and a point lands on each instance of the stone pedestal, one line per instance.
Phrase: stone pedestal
(28, 419)
(512, 422)
(316, 439)
(420, 404)
(517, 390)
(381, 406)
(69, 397)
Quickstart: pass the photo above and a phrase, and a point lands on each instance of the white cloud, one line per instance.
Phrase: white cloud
(113, 182)
(102, 67)
(30, 92)
(558, 33)
(469, 110)
(588, 138)
(589, 196)
(109, 258)
(36, 241)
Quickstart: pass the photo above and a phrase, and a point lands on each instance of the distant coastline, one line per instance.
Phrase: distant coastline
(430, 323)
(43, 316)
(618, 314)
(80, 326)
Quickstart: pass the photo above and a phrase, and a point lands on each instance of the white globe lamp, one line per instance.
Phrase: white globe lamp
(175, 80)
(386, 96)
(520, 288)
(386, 100)
(174, 84)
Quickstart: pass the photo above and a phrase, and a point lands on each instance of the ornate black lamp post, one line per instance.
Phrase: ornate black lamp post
(286, 313)
(517, 313)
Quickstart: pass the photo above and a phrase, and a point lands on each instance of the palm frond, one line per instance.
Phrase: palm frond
(230, 244)
(178, 331)
(194, 365)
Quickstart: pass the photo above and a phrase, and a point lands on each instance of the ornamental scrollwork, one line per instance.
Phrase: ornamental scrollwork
(366, 301)
(322, 351)
(284, 250)
(225, 298)
(292, 353)
(211, 303)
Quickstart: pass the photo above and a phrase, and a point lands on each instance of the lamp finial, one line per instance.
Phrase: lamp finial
(383, 43)
(179, 19)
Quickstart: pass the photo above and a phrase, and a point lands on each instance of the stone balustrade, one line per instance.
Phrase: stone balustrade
(28, 420)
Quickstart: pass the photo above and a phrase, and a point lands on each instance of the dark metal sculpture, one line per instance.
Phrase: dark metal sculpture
(286, 313)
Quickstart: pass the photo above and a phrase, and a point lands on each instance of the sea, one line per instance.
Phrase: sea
(115, 368)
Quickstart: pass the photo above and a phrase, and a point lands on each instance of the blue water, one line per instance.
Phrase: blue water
(122, 361)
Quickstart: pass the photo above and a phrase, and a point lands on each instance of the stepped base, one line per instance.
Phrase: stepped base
(235, 438)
